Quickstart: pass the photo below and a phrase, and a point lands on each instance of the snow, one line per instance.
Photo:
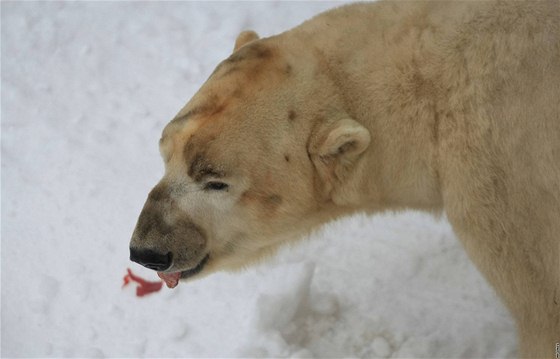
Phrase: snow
(86, 90)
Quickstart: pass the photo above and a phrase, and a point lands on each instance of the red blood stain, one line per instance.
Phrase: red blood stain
(144, 287)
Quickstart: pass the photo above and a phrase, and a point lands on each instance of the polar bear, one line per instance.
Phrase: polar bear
(433, 106)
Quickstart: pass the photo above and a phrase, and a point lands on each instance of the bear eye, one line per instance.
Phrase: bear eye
(216, 186)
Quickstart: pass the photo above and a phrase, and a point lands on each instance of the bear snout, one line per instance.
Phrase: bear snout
(165, 238)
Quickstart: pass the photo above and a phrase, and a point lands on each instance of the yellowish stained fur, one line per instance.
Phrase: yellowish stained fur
(390, 105)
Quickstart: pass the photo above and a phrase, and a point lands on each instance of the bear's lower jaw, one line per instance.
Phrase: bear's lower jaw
(193, 271)
(172, 279)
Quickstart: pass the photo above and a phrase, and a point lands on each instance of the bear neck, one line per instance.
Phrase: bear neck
(392, 89)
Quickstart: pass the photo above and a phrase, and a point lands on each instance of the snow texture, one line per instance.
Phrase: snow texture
(87, 88)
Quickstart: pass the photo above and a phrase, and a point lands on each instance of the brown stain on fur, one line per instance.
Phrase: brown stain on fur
(272, 202)
(197, 153)
(254, 51)
(214, 106)
(251, 61)
(199, 167)
(288, 70)
(159, 193)
(250, 57)
(268, 203)
(151, 218)
(292, 115)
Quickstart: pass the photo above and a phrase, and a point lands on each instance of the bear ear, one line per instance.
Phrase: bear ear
(335, 147)
(244, 38)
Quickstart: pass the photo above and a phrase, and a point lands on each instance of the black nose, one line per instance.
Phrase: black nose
(150, 259)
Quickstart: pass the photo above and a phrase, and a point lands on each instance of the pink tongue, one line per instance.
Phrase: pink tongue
(170, 279)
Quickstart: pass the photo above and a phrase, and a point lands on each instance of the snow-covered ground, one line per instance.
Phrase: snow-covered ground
(86, 90)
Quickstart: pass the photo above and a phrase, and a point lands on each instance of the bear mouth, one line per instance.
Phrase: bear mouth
(172, 279)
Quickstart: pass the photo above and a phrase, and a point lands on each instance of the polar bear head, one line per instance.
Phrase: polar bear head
(260, 155)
